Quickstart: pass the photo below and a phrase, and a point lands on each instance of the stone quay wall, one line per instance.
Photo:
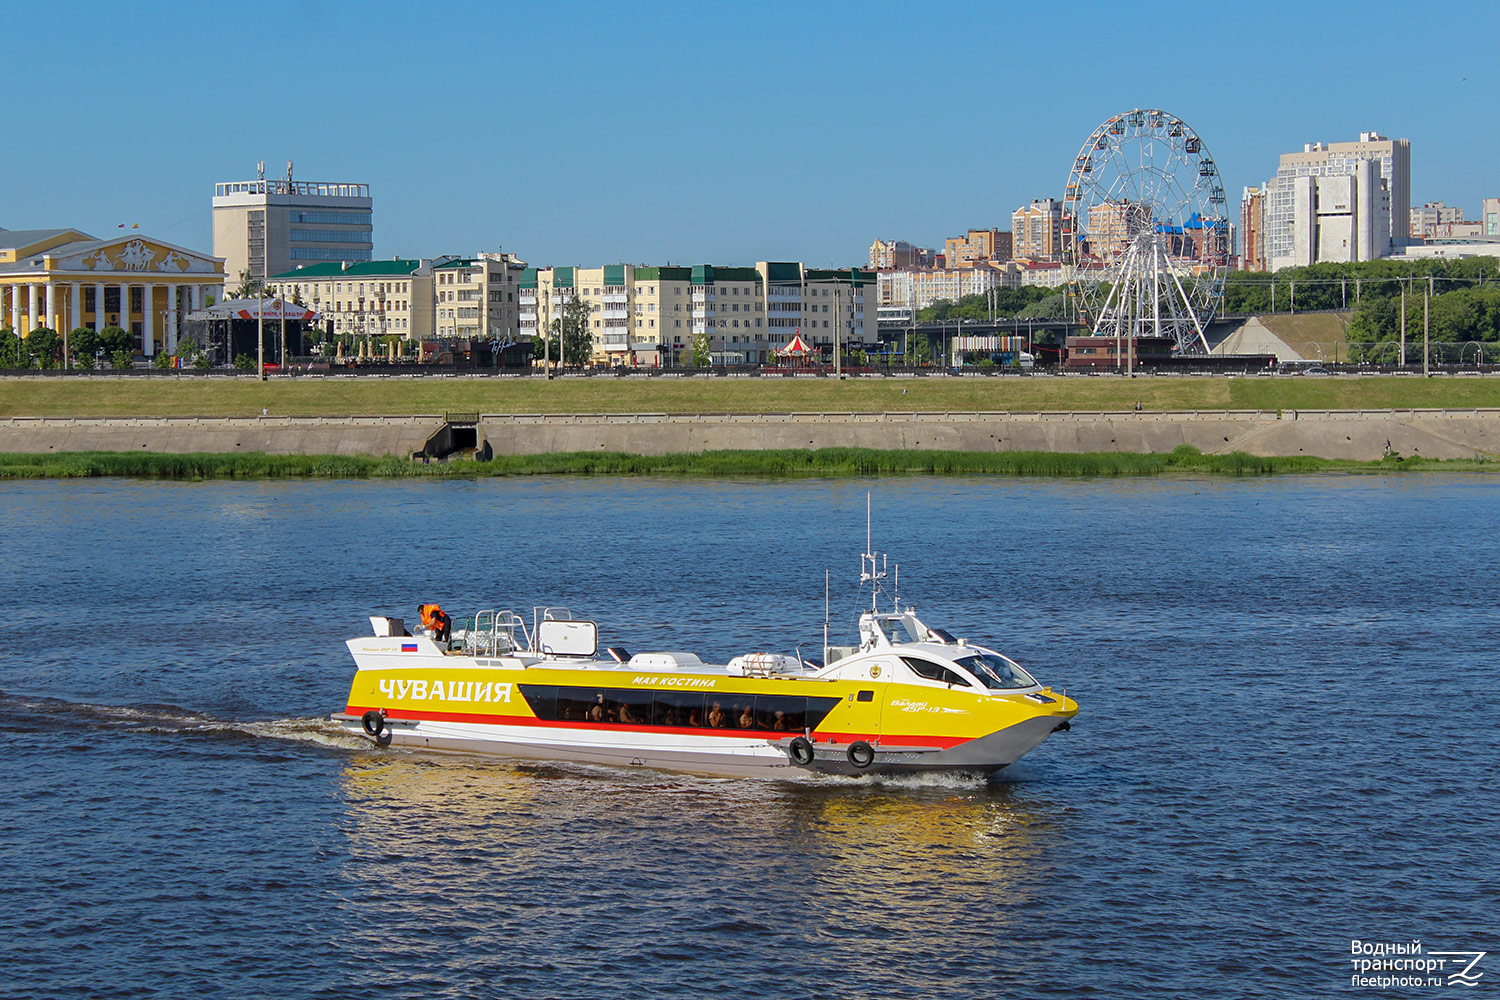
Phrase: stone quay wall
(1347, 434)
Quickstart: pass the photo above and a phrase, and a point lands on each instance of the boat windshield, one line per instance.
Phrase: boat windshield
(996, 672)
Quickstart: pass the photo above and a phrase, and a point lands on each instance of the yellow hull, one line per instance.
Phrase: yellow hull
(710, 722)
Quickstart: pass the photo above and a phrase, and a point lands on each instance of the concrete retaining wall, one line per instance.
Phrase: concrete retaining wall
(1351, 434)
(178, 435)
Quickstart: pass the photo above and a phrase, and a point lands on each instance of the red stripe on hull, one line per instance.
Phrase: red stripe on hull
(614, 727)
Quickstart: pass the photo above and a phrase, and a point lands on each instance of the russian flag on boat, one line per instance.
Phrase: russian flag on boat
(408, 647)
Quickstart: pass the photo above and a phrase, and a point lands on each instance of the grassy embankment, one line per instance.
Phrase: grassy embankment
(168, 396)
(1185, 460)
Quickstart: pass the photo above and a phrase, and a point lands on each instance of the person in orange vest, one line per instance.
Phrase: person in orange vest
(436, 620)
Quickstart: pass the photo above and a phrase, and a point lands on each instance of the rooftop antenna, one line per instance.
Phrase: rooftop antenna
(876, 571)
(260, 170)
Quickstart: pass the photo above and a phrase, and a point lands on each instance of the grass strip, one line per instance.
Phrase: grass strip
(823, 462)
(170, 397)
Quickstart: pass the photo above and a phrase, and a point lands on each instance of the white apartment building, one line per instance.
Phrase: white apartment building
(1362, 212)
(368, 299)
(1489, 216)
(267, 227)
(920, 289)
(651, 315)
(477, 297)
(1425, 220)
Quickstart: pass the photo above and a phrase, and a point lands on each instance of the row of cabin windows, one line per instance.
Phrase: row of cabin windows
(687, 709)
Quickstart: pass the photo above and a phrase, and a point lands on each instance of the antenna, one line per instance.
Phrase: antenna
(876, 571)
(288, 173)
(825, 618)
(260, 170)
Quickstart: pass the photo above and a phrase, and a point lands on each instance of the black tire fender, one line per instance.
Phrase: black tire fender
(861, 754)
(800, 751)
(374, 723)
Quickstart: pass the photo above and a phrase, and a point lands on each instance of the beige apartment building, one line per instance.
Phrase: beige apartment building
(476, 298)
(887, 255)
(650, 315)
(978, 246)
(1038, 230)
(368, 299)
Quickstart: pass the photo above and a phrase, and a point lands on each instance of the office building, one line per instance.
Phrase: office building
(1489, 216)
(63, 279)
(268, 227)
(1339, 201)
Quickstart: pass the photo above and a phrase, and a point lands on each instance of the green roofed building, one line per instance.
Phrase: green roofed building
(373, 298)
(476, 298)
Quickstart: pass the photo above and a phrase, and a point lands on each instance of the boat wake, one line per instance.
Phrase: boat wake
(22, 714)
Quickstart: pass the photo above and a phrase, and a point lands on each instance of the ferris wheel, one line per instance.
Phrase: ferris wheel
(1146, 237)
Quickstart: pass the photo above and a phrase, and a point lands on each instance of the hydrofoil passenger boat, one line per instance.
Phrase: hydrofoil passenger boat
(907, 698)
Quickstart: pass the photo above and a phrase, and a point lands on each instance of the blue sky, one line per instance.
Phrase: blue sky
(594, 133)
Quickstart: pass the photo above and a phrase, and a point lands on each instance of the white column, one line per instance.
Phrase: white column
(76, 320)
(31, 308)
(15, 309)
(51, 305)
(196, 298)
(125, 307)
(98, 306)
(172, 319)
(148, 329)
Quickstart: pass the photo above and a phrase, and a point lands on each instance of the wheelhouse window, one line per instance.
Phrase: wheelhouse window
(935, 671)
(996, 672)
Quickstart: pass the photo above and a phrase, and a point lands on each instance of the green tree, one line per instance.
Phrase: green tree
(121, 360)
(114, 340)
(543, 349)
(703, 353)
(920, 349)
(573, 327)
(200, 361)
(244, 363)
(83, 342)
(42, 347)
(248, 288)
(11, 349)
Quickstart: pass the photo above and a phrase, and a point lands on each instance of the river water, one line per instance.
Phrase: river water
(1287, 742)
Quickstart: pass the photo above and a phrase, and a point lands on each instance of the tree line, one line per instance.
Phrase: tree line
(86, 348)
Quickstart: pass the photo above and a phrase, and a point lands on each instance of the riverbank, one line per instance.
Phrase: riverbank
(825, 462)
(168, 396)
(1356, 435)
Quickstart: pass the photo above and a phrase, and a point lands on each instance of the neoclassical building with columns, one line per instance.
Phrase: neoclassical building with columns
(65, 279)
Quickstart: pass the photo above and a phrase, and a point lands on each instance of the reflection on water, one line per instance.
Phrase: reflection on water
(664, 848)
